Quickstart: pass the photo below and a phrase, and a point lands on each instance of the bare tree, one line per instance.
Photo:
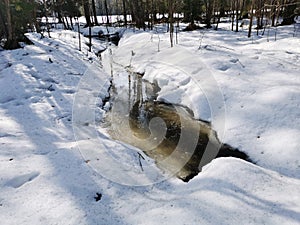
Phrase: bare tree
(124, 12)
(106, 12)
(94, 13)
(237, 9)
(9, 23)
(171, 4)
(138, 13)
(87, 13)
(251, 18)
(208, 12)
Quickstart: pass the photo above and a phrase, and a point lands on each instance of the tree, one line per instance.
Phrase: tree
(2, 22)
(16, 16)
(137, 8)
(94, 12)
(125, 12)
(251, 19)
(288, 11)
(87, 13)
(237, 9)
(221, 6)
(106, 12)
(191, 10)
(171, 6)
(208, 12)
(11, 42)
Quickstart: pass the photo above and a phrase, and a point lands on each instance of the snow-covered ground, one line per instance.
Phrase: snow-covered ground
(247, 88)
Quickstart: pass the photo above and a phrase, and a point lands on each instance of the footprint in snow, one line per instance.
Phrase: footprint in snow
(6, 99)
(69, 91)
(223, 67)
(233, 60)
(4, 135)
(23, 179)
(255, 57)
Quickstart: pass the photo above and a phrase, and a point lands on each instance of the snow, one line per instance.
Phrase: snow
(247, 88)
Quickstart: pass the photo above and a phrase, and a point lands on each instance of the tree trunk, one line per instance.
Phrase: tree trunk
(106, 12)
(232, 14)
(36, 22)
(153, 15)
(64, 23)
(124, 13)
(209, 9)
(237, 16)
(87, 14)
(94, 12)
(171, 18)
(8, 20)
(262, 17)
(242, 9)
(273, 12)
(133, 16)
(251, 19)
(11, 42)
(138, 13)
(218, 21)
(67, 22)
(71, 22)
(59, 14)
(3, 22)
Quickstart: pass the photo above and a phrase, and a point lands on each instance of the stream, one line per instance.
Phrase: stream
(179, 144)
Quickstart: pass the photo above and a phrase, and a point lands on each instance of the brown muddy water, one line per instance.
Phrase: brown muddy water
(167, 133)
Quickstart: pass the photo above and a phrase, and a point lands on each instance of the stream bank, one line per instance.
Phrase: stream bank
(167, 133)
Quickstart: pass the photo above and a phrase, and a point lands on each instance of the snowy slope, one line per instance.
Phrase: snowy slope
(45, 180)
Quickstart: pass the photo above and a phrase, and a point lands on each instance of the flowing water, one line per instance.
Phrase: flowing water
(167, 133)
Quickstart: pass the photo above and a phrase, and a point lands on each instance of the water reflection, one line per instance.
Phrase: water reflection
(163, 131)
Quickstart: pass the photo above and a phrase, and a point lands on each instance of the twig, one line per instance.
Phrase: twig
(140, 156)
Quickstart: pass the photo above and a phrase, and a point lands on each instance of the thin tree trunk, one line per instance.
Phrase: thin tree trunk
(237, 16)
(152, 14)
(273, 11)
(124, 13)
(3, 22)
(87, 14)
(242, 9)
(138, 13)
(133, 16)
(8, 20)
(218, 21)
(36, 22)
(47, 21)
(94, 12)
(177, 28)
(11, 42)
(251, 19)
(67, 22)
(71, 22)
(59, 17)
(262, 17)
(232, 14)
(64, 23)
(171, 15)
(106, 12)
(209, 9)
(279, 9)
